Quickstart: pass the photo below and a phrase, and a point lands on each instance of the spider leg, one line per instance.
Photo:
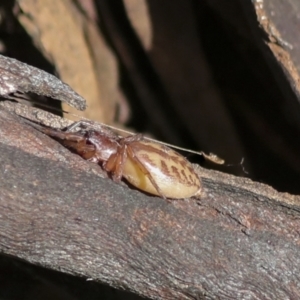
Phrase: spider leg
(82, 124)
(142, 167)
(62, 135)
(132, 138)
(115, 164)
(89, 127)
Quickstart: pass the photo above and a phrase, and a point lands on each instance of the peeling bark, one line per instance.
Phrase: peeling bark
(16, 76)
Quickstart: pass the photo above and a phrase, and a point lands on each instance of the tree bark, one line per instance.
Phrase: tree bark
(239, 240)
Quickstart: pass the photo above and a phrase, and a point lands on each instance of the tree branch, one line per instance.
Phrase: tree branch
(240, 239)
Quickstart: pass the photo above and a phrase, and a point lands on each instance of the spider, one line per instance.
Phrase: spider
(149, 166)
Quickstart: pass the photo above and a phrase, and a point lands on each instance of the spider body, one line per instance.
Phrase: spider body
(149, 166)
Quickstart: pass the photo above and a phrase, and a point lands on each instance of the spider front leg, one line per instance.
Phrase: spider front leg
(115, 163)
(82, 124)
(132, 138)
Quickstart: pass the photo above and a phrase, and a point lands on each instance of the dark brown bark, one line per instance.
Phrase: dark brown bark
(240, 238)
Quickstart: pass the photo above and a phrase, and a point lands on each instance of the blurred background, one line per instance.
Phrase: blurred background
(217, 76)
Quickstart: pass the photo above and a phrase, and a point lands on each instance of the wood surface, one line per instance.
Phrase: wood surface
(238, 239)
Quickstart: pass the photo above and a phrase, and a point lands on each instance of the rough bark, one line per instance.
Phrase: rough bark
(240, 239)
(16, 76)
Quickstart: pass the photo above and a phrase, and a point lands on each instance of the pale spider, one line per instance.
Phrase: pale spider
(147, 165)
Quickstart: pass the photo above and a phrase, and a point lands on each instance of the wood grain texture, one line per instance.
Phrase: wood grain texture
(239, 240)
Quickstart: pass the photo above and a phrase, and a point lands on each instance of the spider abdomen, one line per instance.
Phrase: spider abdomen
(159, 170)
